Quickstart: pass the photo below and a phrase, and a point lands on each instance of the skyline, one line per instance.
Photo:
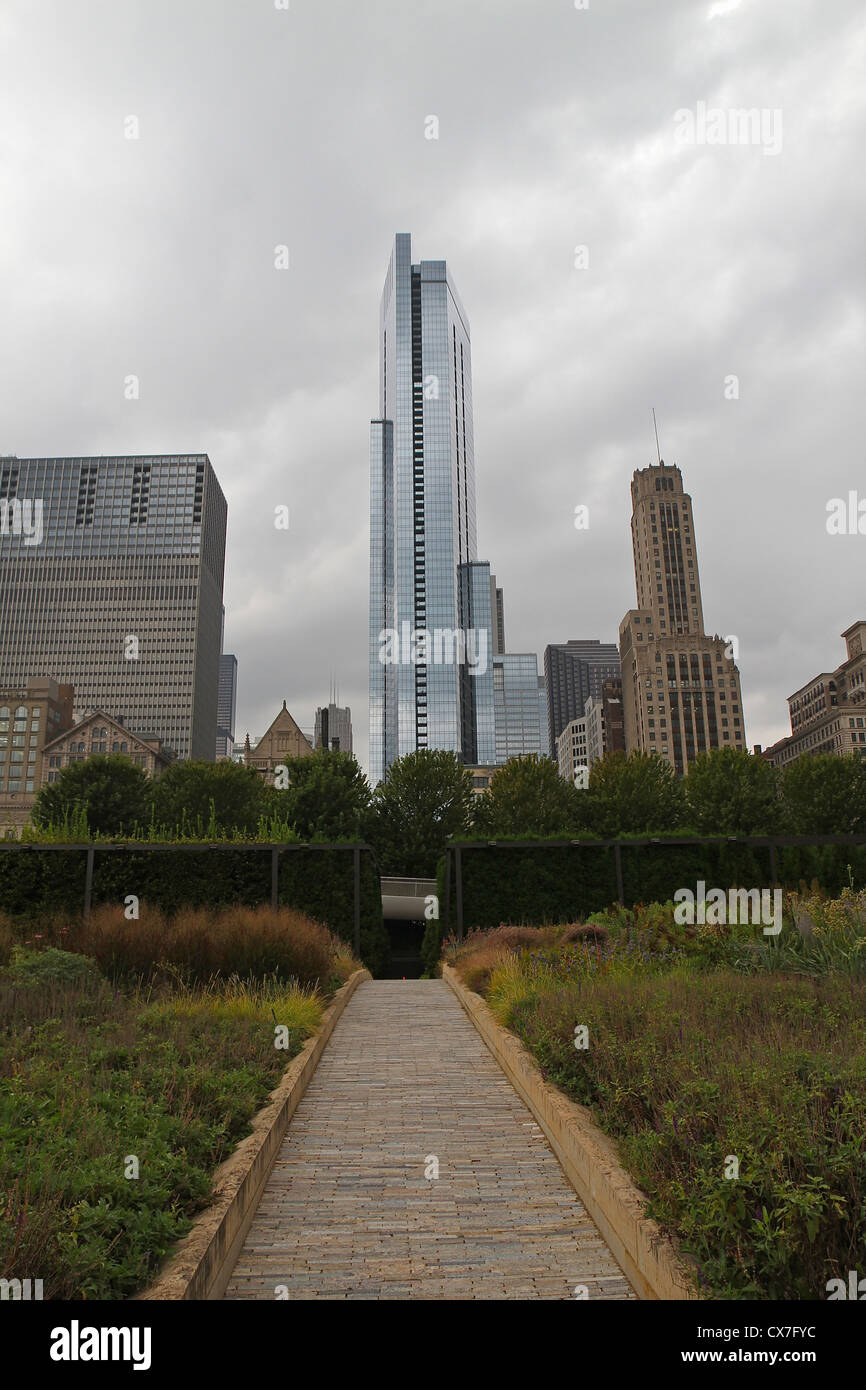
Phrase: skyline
(693, 274)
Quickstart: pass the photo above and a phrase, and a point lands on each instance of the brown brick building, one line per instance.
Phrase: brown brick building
(99, 732)
(828, 714)
(282, 740)
(29, 716)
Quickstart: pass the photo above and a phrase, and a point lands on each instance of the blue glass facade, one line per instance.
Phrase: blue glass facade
(478, 745)
(518, 708)
(422, 524)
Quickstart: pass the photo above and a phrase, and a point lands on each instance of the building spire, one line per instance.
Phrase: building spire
(656, 428)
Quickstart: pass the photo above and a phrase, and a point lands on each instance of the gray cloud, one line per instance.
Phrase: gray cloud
(260, 127)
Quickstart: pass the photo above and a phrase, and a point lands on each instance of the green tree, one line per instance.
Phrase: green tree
(527, 796)
(825, 795)
(199, 798)
(731, 792)
(326, 797)
(423, 800)
(633, 795)
(109, 789)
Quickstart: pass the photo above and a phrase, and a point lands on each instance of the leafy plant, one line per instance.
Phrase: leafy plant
(51, 966)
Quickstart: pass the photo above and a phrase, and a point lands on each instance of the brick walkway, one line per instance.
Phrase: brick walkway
(347, 1211)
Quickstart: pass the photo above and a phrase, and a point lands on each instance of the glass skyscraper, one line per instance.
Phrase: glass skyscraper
(111, 580)
(431, 632)
(520, 707)
(226, 701)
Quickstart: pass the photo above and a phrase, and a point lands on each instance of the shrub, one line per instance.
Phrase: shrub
(594, 933)
(248, 942)
(107, 792)
(556, 882)
(51, 966)
(484, 951)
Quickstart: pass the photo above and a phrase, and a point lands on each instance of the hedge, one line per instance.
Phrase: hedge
(38, 880)
(556, 881)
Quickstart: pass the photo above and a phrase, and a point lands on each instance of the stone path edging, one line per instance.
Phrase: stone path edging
(202, 1263)
(589, 1160)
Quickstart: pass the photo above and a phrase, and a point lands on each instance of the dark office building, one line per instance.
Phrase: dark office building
(111, 579)
(226, 703)
(333, 728)
(573, 671)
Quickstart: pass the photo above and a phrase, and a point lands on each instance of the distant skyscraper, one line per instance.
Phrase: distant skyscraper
(226, 703)
(574, 670)
(118, 589)
(680, 688)
(497, 608)
(543, 721)
(520, 726)
(339, 722)
(423, 555)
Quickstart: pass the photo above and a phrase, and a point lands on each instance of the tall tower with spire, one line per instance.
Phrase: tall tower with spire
(425, 577)
(681, 688)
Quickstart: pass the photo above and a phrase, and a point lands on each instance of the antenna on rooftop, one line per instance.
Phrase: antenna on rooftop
(656, 428)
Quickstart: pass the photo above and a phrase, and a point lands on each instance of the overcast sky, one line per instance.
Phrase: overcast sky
(557, 129)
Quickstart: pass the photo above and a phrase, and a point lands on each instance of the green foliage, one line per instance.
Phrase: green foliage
(561, 882)
(818, 936)
(685, 1068)
(731, 792)
(107, 793)
(633, 795)
(654, 872)
(531, 884)
(89, 1076)
(72, 829)
(326, 796)
(527, 796)
(424, 799)
(208, 798)
(824, 795)
(51, 966)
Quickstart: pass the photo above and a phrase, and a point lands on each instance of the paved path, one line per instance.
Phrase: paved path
(348, 1212)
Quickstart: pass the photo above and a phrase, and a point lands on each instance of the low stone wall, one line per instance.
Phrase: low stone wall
(201, 1265)
(590, 1162)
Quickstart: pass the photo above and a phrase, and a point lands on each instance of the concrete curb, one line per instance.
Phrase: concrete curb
(589, 1160)
(201, 1265)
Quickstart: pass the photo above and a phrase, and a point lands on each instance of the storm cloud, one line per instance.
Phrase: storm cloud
(154, 156)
